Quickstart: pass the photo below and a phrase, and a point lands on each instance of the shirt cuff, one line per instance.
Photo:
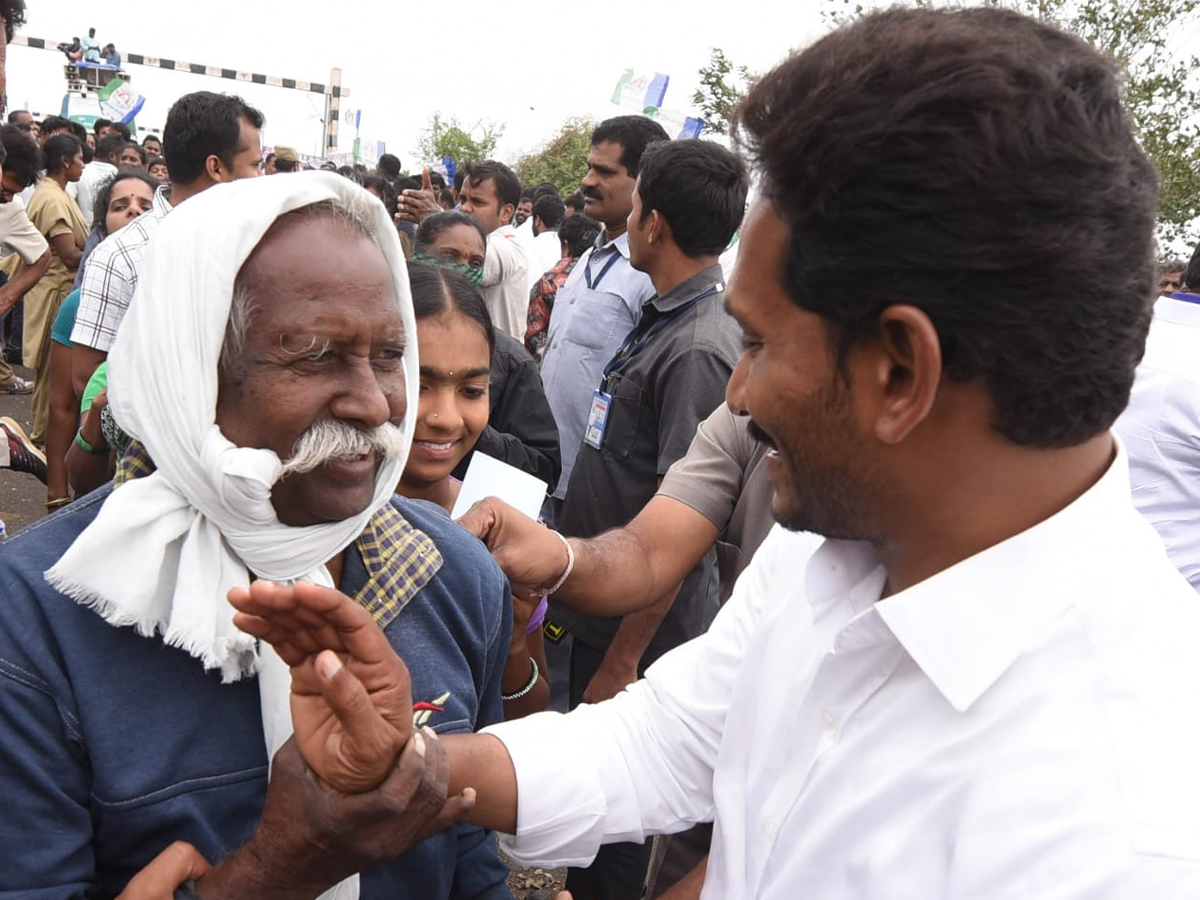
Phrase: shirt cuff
(561, 808)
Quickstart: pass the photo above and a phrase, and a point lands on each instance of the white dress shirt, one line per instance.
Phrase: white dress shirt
(1161, 431)
(506, 281)
(1021, 725)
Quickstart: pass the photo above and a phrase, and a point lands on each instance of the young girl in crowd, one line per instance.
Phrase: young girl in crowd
(123, 199)
(455, 340)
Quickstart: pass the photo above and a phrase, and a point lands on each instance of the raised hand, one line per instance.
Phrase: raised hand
(530, 554)
(351, 696)
(413, 206)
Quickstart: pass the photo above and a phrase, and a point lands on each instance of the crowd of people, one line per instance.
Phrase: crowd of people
(867, 562)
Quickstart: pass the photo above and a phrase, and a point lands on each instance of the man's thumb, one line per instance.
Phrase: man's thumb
(426, 184)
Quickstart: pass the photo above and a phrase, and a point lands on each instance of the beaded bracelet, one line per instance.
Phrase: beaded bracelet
(570, 565)
(533, 679)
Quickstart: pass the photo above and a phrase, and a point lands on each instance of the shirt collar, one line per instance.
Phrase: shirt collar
(620, 243)
(162, 200)
(1180, 308)
(967, 624)
(690, 288)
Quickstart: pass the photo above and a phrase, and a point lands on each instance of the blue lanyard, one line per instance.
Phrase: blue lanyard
(630, 349)
(1185, 296)
(587, 270)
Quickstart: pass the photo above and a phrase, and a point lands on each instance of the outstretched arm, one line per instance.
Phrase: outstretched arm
(616, 573)
(351, 699)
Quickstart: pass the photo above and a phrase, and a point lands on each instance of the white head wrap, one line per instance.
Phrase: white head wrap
(164, 550)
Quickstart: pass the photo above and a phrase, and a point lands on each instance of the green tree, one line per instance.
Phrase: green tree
(722, 87)
(1161, 78)
(446, 136)
(562, 160)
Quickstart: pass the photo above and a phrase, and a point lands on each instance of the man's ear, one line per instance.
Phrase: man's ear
(215, 169)
(506, 213)
(907, 363)
(657, 228)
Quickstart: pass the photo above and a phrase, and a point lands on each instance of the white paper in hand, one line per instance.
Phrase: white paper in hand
(489, 477)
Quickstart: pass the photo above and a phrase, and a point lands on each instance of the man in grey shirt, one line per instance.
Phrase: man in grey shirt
(664, 379)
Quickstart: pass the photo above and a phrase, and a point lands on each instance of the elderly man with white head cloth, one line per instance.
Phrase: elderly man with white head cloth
(266, 391)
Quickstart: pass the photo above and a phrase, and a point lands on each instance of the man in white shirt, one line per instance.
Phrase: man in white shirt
(490, 193)
(96, 174)
(1161, 427)
(548, 211)
(981, 685)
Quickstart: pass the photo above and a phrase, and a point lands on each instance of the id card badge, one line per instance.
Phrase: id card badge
(597, 421)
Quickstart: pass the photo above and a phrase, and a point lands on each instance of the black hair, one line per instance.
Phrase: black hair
(446, 197)
(13, 13)
(434, 288)
(348, 172)
(434, 224)
(58, 152)
(110, 146)
(633, 133)
(88, 153)
(389, 166)
(204, 124)
(579, 232)
(544, 189)
(700, 189)
(387, 192)
(123, 130)
(408, 183)
(286, 165)
(12, 115)
(140, 152)
(55, 123)
(460, 175)
(526, 194)
(104, 195)
(151, 137)
(978, 165)
(575, 201)
(23, 159)
(158, 160)
(437, 181)
(1191, 274)
(550, 210)
(81, 133)
(505, 183)
(101, 123)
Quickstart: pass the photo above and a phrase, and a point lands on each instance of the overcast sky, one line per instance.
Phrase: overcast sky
(529, 65)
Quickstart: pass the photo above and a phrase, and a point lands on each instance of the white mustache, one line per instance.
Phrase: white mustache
(329, 440)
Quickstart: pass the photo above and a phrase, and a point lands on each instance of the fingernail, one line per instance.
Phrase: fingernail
(429, 731)
(328, 665)
(419, 744)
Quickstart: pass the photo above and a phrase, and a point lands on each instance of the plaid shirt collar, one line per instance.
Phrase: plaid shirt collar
(399, 559)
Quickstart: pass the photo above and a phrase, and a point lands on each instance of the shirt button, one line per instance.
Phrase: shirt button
(770, 828)
(555, 347)
(572, 300)
(829, 719)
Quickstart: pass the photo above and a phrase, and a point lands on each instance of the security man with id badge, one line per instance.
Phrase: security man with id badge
(666, 377)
